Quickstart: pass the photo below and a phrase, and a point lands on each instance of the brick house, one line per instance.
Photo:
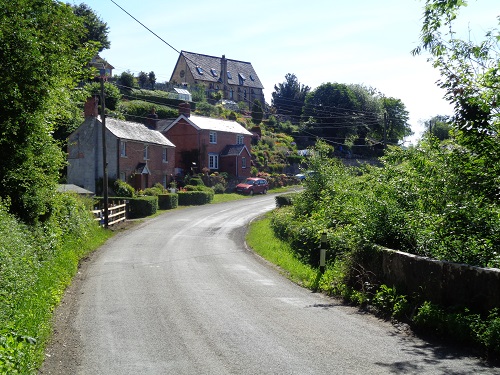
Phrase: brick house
(204, 143)
(237, 80)
(134, 153)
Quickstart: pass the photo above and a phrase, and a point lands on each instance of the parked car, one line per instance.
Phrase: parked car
(253, 185)
(303, 176)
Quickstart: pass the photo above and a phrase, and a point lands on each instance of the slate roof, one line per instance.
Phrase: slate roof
(234, 67)
(209, 123)
(233, 150)
(133, 131)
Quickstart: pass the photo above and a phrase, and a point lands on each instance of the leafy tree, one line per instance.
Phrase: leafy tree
(111, 92)
(42, 61)
(471, 81)
(152, 79)
(333, 109)
(143, 79)
(439, 127)
(396, 127)
(127, 81)
(97, 30)
(257, 112)
(288, 97)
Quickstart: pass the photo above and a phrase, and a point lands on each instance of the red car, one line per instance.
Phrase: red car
(253, 185)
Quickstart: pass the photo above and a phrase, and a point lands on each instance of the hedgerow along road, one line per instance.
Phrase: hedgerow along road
(181, 294)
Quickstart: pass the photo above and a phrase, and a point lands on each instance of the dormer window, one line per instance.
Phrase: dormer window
(241, 78)
(199, 69)
(214, 72)
(229, 75)
(252, 78)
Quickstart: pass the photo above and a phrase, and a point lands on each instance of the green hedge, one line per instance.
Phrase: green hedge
(142, 206)
(168, 201)
(284, 200)
(195, 198)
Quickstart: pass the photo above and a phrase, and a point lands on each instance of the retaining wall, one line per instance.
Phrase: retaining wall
(444, 283)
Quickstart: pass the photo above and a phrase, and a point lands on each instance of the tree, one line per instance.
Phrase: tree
(257, 112)
(97, 30)
(127, 81)
(471, 81)
(396, 127)
(439, 126)
(152, 79)
(332, 111)
(288, 97)
(42, 61)
(142, 78)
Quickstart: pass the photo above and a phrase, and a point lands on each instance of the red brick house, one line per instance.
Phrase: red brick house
(135, 154)
(207, 143)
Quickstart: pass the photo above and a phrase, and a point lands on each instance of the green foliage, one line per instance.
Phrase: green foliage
(219, 188)
(97, 30)
(168, 201)
(122, 189)
(288, 97)
(284, 200)
(155, 190)
(196, 181)
(195, 197)
(127, 81)
(142, 206)
(257, 112)
(111, 92)
(38, 262)
(137, 110)
(206, 109)
(42, 61)
(389, 301)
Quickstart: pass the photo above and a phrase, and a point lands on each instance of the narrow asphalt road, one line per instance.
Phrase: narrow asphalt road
(180, 294)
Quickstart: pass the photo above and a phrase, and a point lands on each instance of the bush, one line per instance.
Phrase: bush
(284, 200)
(219, 188)
(168, 201)
(196, 181)
(156, 190)
(122, 189)
(142, 206)
(195, 198)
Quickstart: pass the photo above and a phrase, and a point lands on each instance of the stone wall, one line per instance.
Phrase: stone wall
(444, 283)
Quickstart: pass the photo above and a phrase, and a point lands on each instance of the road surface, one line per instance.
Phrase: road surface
(180, 294)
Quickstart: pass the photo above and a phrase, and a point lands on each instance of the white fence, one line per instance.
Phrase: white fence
(117, 212)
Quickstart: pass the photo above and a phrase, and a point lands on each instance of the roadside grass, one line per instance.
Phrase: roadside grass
(261, 239)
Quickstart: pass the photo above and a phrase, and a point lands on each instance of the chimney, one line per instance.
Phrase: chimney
(223, 74)
(184, 109)
(90, 108)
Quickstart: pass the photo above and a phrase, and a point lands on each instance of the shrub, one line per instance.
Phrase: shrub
(195, 198)
(168, 201)
(142, 206)
(157, 189)
(284, 200)
(219, 188)
(196, 181)
(122, 189)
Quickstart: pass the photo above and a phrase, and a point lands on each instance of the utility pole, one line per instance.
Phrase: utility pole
(385, 130)
(104, 161)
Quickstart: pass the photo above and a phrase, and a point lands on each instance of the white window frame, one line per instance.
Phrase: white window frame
(213, 161)
(212, 137)
(239, 139)
(123, 176)
(123, 149)
(243, 162)
(146, 152)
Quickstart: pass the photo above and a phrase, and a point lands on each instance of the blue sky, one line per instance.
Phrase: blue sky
(353, 42)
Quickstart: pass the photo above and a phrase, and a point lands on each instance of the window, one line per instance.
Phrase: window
(231, 94)
(164, 181)
(243, 162)
(164, 155)
(214, 72)
(123, 176)
(213, 137)
(251, 77)
(239, 139)
(213, 161)
(146, 152)
(229, 75)
(241, 78)
(123, 149)
(199, 69)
